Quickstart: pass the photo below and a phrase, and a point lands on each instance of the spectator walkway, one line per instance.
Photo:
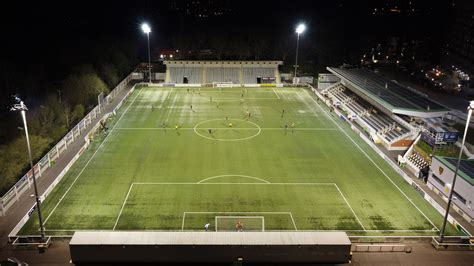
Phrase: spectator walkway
(19, 209)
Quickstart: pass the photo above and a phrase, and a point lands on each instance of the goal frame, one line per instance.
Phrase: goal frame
(262, 218)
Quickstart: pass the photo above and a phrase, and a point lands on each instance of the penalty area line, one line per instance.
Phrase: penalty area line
(373, 162)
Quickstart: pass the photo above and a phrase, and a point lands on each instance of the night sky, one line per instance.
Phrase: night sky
(43, 41)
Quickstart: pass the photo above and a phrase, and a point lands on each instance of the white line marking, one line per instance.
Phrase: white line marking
(321, 230)
(123, 205)
(276, 93)
(169, 94)
(353, 212)
(293, 220)
(239, 212)
(182, 223)
(233, 128)
(246, 176)
(85, 166)
(229, 183)
(373, 162)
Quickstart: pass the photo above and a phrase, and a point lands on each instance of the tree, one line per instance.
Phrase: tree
(15, 159)
(83, 88)
(109, 74)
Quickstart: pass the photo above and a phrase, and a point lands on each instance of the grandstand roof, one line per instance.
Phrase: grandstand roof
(219, 63)
(388, 95)
(466, 167)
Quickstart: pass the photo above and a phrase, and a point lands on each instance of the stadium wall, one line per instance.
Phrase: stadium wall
(220, 71)
(419, 189)
(25, 183)
(210, 247)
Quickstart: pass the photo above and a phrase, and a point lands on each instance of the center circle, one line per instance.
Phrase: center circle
(227, 129)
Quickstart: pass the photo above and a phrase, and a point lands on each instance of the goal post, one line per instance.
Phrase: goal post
(223, 84)
(240, 223)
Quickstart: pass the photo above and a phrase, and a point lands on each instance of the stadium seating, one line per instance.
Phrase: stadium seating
(223, 75)
(383, 125)
(194, 75)
(417, 160)
(251, 74)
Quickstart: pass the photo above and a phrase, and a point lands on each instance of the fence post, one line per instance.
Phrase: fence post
(16, 192)
(49, 160)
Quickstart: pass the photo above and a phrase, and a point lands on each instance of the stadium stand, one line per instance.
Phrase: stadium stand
(417, 160)
(237, 72)
(382, 124)
(386, 94)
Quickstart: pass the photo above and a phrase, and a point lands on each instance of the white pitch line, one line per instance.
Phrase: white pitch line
(293, 220)
(85, 166)
(233, 128)
(353, 212)
(229, 183)
(182, 223)
(276, 93)
(373, 162)
(169, 93)
(240, 212)
(123, 205)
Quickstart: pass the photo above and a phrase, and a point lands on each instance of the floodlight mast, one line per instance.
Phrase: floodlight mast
(300, 29)
(146, 29)
(20, 106)
(450, 198)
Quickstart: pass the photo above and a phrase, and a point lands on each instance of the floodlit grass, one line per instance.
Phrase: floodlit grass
(174, 160)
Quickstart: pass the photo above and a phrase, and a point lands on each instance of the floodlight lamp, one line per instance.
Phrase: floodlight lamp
(301, 28)
(146, 28)
(471, 105)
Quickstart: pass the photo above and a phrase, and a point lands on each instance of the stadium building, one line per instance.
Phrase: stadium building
(386, 110)
(232, 72)
(441, 180)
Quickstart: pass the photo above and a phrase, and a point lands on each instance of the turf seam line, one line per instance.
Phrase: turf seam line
(353, 212)
(93, 155)
(373, 162)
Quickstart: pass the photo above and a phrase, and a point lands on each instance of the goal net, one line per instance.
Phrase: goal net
(240, 223)
(226, 84)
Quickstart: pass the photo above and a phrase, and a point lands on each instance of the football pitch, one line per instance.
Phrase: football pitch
(273, 158)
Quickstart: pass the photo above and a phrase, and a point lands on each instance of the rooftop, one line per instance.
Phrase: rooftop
(466, 167)
(387, 94)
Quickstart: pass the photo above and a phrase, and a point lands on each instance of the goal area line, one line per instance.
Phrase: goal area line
(265, 183)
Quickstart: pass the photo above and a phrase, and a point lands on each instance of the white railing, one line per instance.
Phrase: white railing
(25, 182)
(14, 233)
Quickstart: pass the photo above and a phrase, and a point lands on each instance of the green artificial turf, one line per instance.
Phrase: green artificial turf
(174, 160)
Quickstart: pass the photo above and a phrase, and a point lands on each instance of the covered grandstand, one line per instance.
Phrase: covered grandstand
(386, 94)
(235, 72)
(383, 108)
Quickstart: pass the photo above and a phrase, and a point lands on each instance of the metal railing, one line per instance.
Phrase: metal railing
(26, 181)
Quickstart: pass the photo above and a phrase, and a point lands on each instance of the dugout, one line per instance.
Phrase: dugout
(209, 247)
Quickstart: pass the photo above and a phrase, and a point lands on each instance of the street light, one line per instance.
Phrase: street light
(146, 29)
(450, 198)
(300, 29)
(20, 106)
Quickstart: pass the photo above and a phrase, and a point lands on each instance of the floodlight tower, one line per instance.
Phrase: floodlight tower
(20, 106)
(450, 198)
(146, 29)
(300, 29)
